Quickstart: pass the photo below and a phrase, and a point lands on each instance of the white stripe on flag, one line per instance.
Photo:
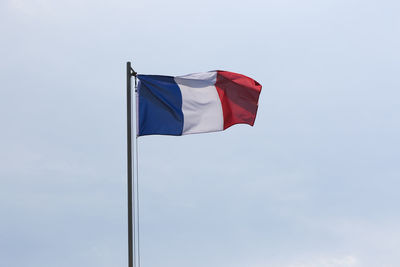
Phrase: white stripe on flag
(201, 106)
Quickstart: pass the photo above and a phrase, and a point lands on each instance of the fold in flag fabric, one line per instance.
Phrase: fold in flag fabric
(195, 103)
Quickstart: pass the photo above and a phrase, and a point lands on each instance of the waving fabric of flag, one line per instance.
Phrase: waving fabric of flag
(195, 103)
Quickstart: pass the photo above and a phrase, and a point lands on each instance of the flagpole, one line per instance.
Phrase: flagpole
(129, 74)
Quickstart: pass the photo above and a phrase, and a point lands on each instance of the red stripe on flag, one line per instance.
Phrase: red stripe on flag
(239, 97)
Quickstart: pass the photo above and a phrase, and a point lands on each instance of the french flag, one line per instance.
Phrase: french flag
(195, 103)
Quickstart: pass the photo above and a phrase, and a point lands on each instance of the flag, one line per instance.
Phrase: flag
(195, 103)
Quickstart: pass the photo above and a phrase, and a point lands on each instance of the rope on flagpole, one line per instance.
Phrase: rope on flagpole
(134, 186)
(133, 254)
(137, 203)
(137, 181)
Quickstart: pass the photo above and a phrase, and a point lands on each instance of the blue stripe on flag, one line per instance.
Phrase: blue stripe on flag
(160, 106)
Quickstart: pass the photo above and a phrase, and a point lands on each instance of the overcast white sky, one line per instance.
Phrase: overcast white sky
(315, 183)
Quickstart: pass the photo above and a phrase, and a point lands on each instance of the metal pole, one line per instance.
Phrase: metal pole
(130, 160)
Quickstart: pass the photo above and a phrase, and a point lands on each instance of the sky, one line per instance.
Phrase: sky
(313, 184)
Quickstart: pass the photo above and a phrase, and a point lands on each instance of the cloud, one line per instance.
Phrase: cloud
(314, 183)
(30, 8)
(346, 261)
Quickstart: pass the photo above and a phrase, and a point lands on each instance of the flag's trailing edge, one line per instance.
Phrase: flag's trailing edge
(195, 103)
